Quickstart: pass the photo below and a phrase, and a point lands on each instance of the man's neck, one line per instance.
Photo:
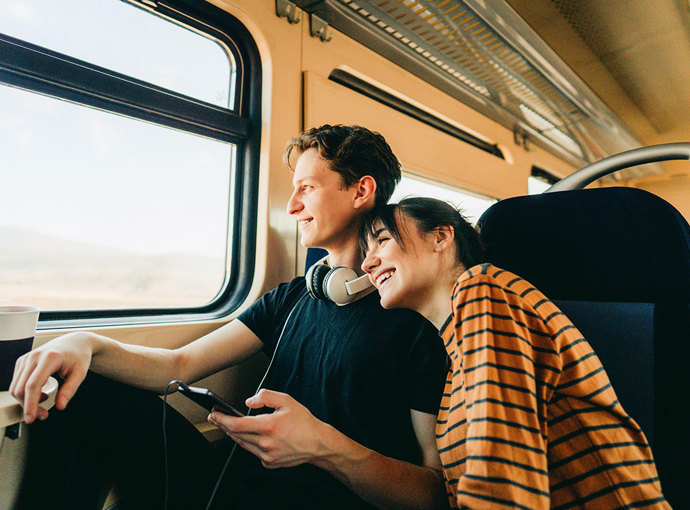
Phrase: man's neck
(350, 258)
(347, 256)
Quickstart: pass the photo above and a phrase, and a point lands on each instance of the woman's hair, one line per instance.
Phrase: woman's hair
(353, 152)
(429, 214)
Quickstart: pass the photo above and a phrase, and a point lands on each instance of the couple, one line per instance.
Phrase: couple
(353, 390)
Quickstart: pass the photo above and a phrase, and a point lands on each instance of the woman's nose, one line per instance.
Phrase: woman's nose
(370, 262)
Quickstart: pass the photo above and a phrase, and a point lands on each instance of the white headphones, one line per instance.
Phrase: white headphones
(339, 284)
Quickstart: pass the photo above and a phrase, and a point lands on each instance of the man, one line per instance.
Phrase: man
(354, 389)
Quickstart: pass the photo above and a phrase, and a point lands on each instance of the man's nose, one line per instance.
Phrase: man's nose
(294, 205)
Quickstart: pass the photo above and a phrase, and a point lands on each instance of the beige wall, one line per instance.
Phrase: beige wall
(422, 149)
(676, 191)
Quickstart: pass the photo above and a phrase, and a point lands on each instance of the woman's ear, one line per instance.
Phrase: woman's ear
(444, 237)
(365, 191)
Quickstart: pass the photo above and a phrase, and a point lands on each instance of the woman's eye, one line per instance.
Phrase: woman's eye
(382, 239)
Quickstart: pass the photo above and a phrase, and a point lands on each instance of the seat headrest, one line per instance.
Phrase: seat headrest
(606, 244)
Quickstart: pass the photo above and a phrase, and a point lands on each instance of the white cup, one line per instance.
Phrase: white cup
(17, 331)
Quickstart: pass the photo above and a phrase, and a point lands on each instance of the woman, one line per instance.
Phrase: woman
(528, 417)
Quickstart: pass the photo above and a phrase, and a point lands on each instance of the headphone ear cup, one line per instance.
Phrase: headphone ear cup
(315, 280)
(334, 285)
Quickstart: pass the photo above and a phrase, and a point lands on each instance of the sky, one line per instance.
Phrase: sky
(80, 173)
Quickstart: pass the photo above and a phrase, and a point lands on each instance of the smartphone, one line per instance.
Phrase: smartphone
(205, 398)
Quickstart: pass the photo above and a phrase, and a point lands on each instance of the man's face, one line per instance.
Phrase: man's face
(323, 206)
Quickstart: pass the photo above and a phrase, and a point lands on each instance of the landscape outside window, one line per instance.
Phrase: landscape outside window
(102, 211)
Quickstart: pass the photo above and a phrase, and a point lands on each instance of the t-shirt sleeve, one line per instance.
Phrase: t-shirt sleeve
(427, 365)
(266, 317)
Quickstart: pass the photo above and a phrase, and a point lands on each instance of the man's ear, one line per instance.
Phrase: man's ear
(365, 191)
(444, 237)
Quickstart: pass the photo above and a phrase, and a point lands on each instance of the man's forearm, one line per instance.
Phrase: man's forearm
(379, 480)
(144, 367)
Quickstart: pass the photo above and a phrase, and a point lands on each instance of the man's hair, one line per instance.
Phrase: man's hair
(353, 152)
(428, 214)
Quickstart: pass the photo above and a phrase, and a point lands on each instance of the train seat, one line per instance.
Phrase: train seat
(617, 263)
(313, 256)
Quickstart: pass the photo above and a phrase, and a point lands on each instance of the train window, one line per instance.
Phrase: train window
(150, 48)
(126, 151)
(130, 224)
(471, 204)
(539, 181)
(536, 185)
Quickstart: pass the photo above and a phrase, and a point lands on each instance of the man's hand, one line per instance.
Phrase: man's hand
(69, 355)
(291, 435)
(287, 437)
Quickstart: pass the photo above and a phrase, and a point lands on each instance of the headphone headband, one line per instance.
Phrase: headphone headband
(358, 284)
(340, 285)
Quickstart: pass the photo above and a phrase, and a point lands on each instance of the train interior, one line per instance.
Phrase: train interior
(485, 103)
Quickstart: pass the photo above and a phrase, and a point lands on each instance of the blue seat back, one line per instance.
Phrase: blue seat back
(313, 256)
(617, 262)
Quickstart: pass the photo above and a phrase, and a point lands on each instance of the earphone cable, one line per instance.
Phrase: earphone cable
(232, 452)
(270, 364)
(165, 443)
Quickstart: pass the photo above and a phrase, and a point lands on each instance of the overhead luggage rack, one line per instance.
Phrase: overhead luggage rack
(485, 55)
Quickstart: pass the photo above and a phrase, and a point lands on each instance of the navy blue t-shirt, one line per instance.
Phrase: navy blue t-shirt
(359, 368)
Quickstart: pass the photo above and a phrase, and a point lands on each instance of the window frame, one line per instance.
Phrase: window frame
(544, 175)
(29, 67)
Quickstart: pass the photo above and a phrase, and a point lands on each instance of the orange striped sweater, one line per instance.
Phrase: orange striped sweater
(528, 417)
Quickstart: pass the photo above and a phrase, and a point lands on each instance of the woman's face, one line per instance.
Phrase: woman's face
(403, 274)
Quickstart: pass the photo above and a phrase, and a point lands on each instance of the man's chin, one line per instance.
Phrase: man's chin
(306, 243)
(309, 243)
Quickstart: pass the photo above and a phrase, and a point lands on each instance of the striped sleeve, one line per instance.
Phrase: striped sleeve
(528, 417)
(508, 381)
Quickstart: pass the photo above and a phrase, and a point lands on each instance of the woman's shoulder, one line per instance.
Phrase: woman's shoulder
(483, 274)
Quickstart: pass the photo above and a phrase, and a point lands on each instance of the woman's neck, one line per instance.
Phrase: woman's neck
(439, 306)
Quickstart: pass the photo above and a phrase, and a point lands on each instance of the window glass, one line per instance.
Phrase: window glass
(126, 39)
(540, 180)
(471, 205)
(535, 185)
(101, 211)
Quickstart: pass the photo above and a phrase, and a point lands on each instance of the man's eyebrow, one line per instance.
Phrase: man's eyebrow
(306, 178)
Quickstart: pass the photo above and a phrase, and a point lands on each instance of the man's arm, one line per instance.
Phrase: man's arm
(292, 435)
(72, 355)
